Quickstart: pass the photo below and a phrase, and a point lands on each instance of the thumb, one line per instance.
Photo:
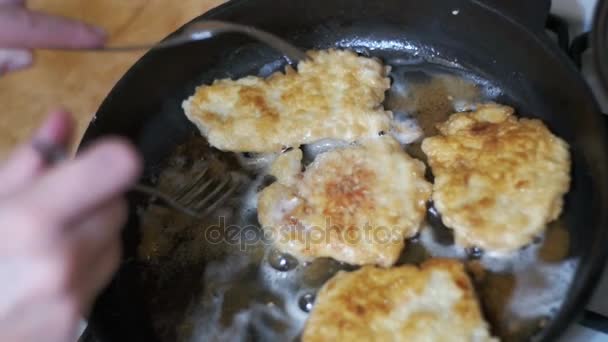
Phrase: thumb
(22, 28)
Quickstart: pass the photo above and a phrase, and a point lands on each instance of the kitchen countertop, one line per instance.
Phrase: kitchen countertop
(80, 81)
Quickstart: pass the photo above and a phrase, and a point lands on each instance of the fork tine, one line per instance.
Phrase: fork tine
(188, 197)
(216, 190)
(187, 186)
(152, 192)
(198, 198)
(220, 200)
(213, 196)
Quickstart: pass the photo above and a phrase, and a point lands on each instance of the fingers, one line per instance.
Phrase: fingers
(21, 28)
(75, 188)
(102, 225)
(26, 163)
(97, 239)
(12, 2)
(14, 59)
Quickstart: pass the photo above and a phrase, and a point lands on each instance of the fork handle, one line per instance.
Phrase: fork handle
(202, 30)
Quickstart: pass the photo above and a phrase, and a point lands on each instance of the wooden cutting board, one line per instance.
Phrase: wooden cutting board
(80, 81)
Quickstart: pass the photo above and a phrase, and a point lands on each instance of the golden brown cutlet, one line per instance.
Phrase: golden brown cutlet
(356, 204)
(335, 94)
(498, 179)
(433, 303)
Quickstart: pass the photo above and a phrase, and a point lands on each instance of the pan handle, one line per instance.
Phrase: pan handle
(533, 14)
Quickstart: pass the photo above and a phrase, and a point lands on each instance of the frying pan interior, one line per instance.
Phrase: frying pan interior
(512, 60)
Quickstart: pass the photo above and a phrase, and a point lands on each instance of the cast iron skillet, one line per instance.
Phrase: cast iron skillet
(502, 41)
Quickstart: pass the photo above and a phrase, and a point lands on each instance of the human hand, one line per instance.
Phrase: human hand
(22, 30)
(60, 228)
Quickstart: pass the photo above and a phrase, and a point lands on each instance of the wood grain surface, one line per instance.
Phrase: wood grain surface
(80, 81)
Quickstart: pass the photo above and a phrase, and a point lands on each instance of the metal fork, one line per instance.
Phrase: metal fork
(199, 197)
(206, 29)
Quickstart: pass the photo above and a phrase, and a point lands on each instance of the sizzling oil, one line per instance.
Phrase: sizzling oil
(237, 287)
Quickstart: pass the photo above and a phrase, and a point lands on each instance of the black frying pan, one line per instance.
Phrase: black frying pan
(500, 41)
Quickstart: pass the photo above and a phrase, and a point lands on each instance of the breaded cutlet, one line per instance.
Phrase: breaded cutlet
(435, 302)
(498, 179)
(335, 94)
(356, 204)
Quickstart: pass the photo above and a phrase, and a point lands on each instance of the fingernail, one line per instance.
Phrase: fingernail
(51, 138)
(55, 129)
(91, 36)
(13, 60)
(22, 62)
